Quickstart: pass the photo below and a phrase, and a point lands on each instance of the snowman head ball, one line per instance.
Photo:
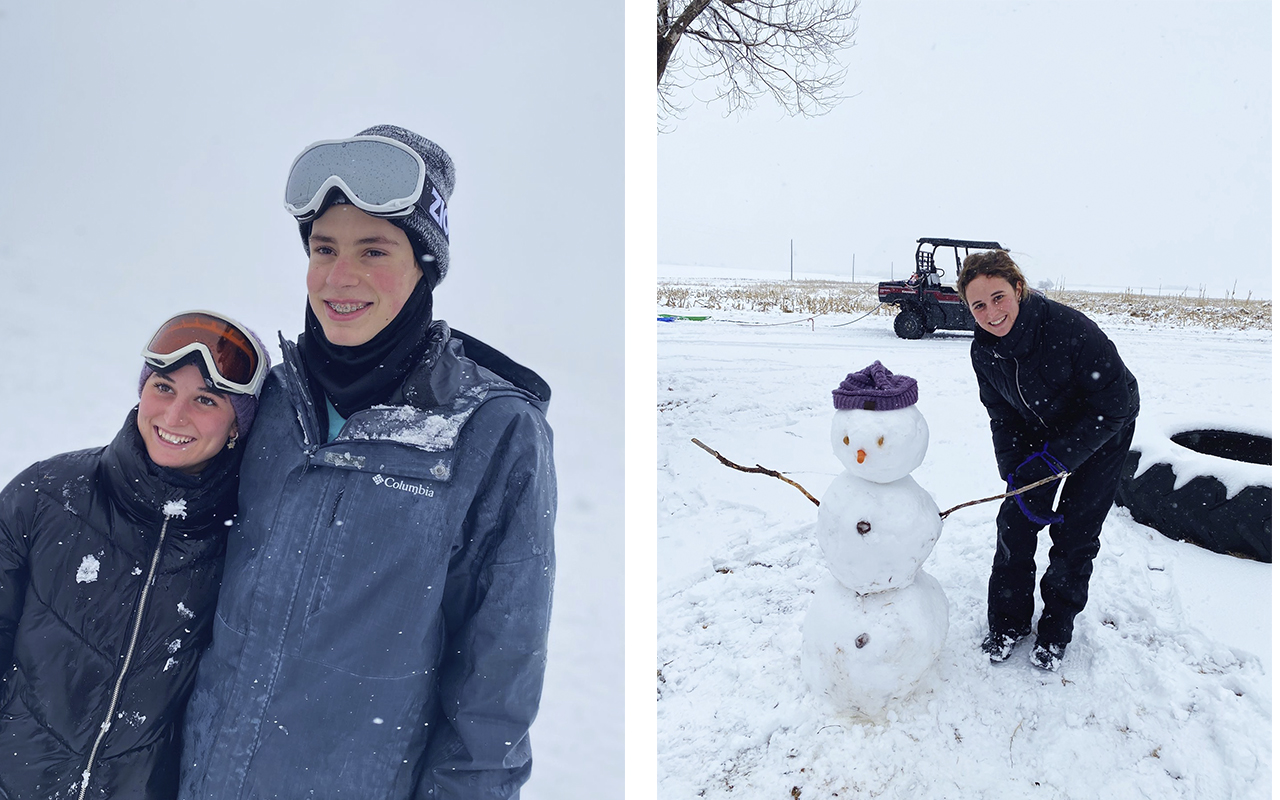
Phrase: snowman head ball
(877, 432)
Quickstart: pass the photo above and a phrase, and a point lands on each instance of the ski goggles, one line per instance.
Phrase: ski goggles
(379, 176)
(233, 358)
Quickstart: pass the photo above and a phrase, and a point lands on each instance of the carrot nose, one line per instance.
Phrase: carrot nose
(862, 456)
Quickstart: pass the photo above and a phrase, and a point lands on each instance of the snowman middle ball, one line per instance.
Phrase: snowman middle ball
(880, 446)
(875, 536)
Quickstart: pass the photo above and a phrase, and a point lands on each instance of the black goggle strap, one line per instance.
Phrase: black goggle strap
(431, 203)
(198, 353)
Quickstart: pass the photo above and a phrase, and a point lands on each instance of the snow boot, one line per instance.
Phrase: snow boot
(999, 645)
(1047, 655)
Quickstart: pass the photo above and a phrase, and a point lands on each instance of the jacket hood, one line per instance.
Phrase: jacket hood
(518, 375)
(444, 371)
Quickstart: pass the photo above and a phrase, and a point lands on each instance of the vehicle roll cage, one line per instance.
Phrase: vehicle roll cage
(924, 258)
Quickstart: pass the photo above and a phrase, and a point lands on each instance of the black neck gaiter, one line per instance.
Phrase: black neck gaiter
(365, 375)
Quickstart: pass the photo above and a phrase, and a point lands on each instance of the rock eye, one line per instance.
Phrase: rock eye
(846, 440)
(864, 527)
(862, 640)
(880, 442)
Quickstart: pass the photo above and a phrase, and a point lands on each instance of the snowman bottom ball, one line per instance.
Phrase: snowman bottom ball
(862, 651)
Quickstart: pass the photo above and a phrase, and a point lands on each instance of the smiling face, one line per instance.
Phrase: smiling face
(361, 273)
(994, 303)
(183, 423)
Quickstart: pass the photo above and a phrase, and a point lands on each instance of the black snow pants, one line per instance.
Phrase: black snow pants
(1086, 499)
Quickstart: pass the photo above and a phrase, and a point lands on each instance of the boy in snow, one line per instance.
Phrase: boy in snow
(382, 625)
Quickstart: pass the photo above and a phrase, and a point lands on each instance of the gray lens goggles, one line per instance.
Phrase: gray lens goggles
(379, 176)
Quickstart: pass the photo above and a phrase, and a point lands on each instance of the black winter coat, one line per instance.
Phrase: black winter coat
(105, 606)
(1054, 379)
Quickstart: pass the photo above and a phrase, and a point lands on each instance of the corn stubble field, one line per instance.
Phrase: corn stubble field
(818, 297)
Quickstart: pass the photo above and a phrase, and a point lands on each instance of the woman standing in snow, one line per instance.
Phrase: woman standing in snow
(110, 561)
(1060, 400)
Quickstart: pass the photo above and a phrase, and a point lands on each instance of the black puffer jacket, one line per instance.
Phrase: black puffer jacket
(88, 562)
(1054, 379)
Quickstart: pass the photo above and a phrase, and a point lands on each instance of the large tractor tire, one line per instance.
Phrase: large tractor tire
(1200, 511)
(908, 324)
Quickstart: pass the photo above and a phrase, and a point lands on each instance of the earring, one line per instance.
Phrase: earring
(231, 441)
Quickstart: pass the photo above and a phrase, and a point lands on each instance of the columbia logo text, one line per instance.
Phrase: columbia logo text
(395, 483)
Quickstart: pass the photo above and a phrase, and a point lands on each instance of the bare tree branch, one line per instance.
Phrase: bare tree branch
(1027, 488)
(758, 469)
(748, 49)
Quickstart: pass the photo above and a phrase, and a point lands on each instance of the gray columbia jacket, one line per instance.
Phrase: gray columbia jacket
(381, 630)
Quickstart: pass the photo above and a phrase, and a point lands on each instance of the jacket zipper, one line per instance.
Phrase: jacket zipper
(128, 658)
(1017, 384)
(313, 428)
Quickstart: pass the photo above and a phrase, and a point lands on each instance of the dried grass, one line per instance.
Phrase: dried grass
(812, 297)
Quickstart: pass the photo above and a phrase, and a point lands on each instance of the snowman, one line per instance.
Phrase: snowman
(878, 621)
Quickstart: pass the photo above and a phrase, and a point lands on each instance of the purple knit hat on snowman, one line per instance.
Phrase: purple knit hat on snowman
(875, 388)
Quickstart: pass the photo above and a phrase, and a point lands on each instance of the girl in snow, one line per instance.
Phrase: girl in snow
(110, 561)
(1060, 400)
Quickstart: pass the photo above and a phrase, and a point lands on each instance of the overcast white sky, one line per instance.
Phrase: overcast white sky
(159, 134)
(1122, 144)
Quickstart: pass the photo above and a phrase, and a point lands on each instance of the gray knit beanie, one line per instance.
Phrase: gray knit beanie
(875, 388)
(428, 226)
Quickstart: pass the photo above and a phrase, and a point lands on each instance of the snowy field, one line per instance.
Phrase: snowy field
(1164, 693)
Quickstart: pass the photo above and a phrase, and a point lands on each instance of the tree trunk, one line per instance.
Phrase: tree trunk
(669, 38)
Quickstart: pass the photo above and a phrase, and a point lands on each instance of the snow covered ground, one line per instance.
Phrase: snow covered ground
(1165, 692)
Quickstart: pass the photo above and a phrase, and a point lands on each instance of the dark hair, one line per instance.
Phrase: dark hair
(993, 264)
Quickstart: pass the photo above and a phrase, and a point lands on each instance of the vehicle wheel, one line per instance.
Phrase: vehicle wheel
(1200, 511)
(908, 324)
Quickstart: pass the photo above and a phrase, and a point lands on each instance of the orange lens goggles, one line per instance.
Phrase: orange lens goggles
(232, 356)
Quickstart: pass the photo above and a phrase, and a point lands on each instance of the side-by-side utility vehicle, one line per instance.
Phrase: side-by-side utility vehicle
(926, 304)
